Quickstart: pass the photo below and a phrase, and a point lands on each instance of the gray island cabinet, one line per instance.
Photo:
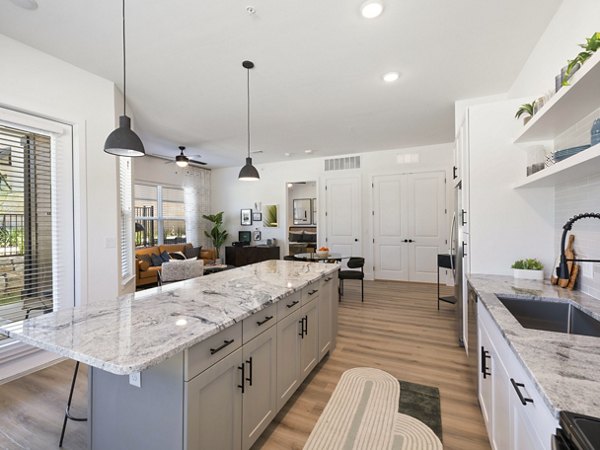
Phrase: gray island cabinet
(216, 357)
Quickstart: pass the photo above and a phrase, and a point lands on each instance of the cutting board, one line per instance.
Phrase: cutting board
(570, 254)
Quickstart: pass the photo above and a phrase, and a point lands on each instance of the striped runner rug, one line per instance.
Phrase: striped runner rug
(362, 414)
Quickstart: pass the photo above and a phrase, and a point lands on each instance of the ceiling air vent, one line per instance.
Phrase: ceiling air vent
(349, 162)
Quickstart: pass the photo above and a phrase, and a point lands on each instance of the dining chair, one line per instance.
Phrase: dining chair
(353, 263)
(178, 270)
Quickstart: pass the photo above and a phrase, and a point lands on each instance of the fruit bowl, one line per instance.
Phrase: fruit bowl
(323, 252)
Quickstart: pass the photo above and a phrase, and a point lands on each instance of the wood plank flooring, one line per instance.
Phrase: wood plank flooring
(397, 329)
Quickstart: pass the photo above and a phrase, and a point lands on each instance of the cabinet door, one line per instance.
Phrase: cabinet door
(501, 391)
(310, 339)
(325, 301)
(213, 406)
(524, 434)
(333, 292)
(288, 356)
(260, 400)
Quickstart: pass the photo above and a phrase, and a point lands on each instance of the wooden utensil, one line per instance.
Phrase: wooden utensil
(573, 278)
(570, 254)
(553, 276)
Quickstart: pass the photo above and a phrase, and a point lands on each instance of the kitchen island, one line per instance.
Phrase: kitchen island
(215, 357)
(528, 376)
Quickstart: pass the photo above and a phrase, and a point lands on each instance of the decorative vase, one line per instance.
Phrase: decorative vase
(526, 119)
(525, 274)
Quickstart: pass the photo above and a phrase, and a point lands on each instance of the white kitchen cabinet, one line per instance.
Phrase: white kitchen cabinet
(260, 397)
(213, 406)
(288, 356)
(325, 316)
(514, 412)
(309, 345)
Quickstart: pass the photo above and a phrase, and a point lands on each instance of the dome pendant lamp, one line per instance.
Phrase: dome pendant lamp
(248, 172)
(123, 141)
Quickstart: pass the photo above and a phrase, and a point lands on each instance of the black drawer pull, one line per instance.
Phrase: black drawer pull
(262, 322)
(294, 303)
(249, 379)
(225, 344)
(484, 369)
(243, 385)
(328, 279)
(313, 292)
(524, 400)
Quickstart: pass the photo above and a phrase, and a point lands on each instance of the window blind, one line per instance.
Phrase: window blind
(126, 231)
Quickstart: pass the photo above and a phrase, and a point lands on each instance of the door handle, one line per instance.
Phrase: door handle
(243, 385)
(462, 217)
(355, 240)
(249, 379)
(464, 244)
(405, 240)
(454, 172)
(410, 240)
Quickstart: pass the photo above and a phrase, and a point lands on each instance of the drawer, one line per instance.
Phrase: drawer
(288, 305)
(206, 353)
(257, 323)
(311, 292)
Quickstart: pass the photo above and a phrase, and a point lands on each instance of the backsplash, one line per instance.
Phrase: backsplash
(579, 196)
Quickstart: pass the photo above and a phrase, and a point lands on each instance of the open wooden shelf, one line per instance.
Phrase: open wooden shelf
(580, 165)
(568, 106)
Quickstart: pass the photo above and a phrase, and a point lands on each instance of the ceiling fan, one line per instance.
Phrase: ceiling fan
(183, 161)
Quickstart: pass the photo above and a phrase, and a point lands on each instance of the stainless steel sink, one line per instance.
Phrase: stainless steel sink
(551, 316)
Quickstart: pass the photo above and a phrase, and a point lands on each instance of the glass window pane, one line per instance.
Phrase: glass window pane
(174, 232)
(145, 208)
(146, 233)
(173, 209)
(145, 192)
(172, 194)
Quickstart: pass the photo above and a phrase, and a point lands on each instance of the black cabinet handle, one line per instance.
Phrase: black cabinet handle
(221, 347)
(328, 279)
(249, 379)
(464, 244)
(313, 292)
(454, 172)
(294, 303)
(463, 213)
(305, 325)
(524, 400)
(301, 322)
(484, 369)
(262, 322)
(243, 385)
(410, 240)
(405, 240)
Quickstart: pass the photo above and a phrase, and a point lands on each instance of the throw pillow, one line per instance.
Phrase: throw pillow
(192, 252)
(144, 258)
(144, 265)
(156, 260)
(310, 236)
(165, 256)
(177, 255)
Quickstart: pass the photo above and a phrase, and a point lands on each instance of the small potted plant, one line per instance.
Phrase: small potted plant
(527, 108)
(216, 234)
(528, 269)
(589, 48)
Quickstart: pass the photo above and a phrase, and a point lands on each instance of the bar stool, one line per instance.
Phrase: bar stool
(68, 415)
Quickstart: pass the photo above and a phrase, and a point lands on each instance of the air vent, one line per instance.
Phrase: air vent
(349, 162)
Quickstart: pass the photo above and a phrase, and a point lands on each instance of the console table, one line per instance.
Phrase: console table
(242, 256)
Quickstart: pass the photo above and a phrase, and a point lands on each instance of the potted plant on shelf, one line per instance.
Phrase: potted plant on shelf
(526, 108)
(216, 234)
(589, 48)
(528, 269)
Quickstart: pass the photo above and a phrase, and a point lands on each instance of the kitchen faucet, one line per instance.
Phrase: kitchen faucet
(563, 269)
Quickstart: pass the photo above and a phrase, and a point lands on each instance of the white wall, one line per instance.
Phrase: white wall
(231, 195)
(37, 83)
(573, 22)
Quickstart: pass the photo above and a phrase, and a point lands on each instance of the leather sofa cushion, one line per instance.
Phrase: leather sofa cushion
(144, 265)
(150, 273)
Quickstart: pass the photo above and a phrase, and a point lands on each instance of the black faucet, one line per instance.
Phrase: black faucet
(563, 269)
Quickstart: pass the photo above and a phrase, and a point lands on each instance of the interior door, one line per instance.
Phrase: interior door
(426, 224)
(389, 227)
(342, 215)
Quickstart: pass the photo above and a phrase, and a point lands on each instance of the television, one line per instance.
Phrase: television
(245, 237)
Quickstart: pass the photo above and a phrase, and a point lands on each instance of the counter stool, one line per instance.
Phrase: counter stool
(68, 415)
(353, 263)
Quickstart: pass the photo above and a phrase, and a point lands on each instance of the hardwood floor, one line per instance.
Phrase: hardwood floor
(397, 329)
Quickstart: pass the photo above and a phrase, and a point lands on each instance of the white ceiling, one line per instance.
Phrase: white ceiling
(317, 82)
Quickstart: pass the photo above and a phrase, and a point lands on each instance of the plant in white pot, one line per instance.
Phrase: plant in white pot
(528, 269)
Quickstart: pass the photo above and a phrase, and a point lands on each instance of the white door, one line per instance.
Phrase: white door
(389, 227)
(426, 224)
(342, 215)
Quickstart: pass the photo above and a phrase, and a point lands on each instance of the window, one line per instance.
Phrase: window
(36, 220)
(126, 218)
(159, 215)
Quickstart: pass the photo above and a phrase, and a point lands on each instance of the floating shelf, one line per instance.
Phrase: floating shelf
(578, 166)
(568, 106)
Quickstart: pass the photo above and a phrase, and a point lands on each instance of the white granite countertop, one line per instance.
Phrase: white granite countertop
(138, 331)
(564, 367)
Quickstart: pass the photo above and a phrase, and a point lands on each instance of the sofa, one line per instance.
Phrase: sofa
(145, 273)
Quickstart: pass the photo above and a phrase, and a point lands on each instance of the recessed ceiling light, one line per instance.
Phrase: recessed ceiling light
(308, 151)
(371, 9)
(26, 4)
(287, 154)
(390, 77)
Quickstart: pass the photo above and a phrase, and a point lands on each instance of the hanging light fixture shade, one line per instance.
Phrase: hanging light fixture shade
(181, 160)
(123, 141)
(248, 172)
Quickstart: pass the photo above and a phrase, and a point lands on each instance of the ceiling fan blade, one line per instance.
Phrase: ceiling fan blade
(200, 163)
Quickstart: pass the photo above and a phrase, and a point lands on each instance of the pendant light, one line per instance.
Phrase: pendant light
(123, 141)
(181, 160)
(248, 172)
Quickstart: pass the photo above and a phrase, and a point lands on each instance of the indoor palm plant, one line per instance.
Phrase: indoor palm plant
(529, 269)
(216, 234)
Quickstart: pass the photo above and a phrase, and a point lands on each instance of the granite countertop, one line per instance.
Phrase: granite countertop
(564, 367)
(137, 331)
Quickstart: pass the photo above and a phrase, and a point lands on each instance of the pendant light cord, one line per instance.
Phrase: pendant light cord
(124, 67)
(248, 98)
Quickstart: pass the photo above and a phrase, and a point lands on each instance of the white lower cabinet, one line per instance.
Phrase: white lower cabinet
(309, 340)
(325, 315)
(289, 330)
(514, 412)
(213, 406)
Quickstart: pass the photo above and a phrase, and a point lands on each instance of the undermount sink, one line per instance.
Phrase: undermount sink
(551, 316)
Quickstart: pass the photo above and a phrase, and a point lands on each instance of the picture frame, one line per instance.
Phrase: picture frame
(256, 235)
(6, 156)
(246, 217)
(256, 216)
